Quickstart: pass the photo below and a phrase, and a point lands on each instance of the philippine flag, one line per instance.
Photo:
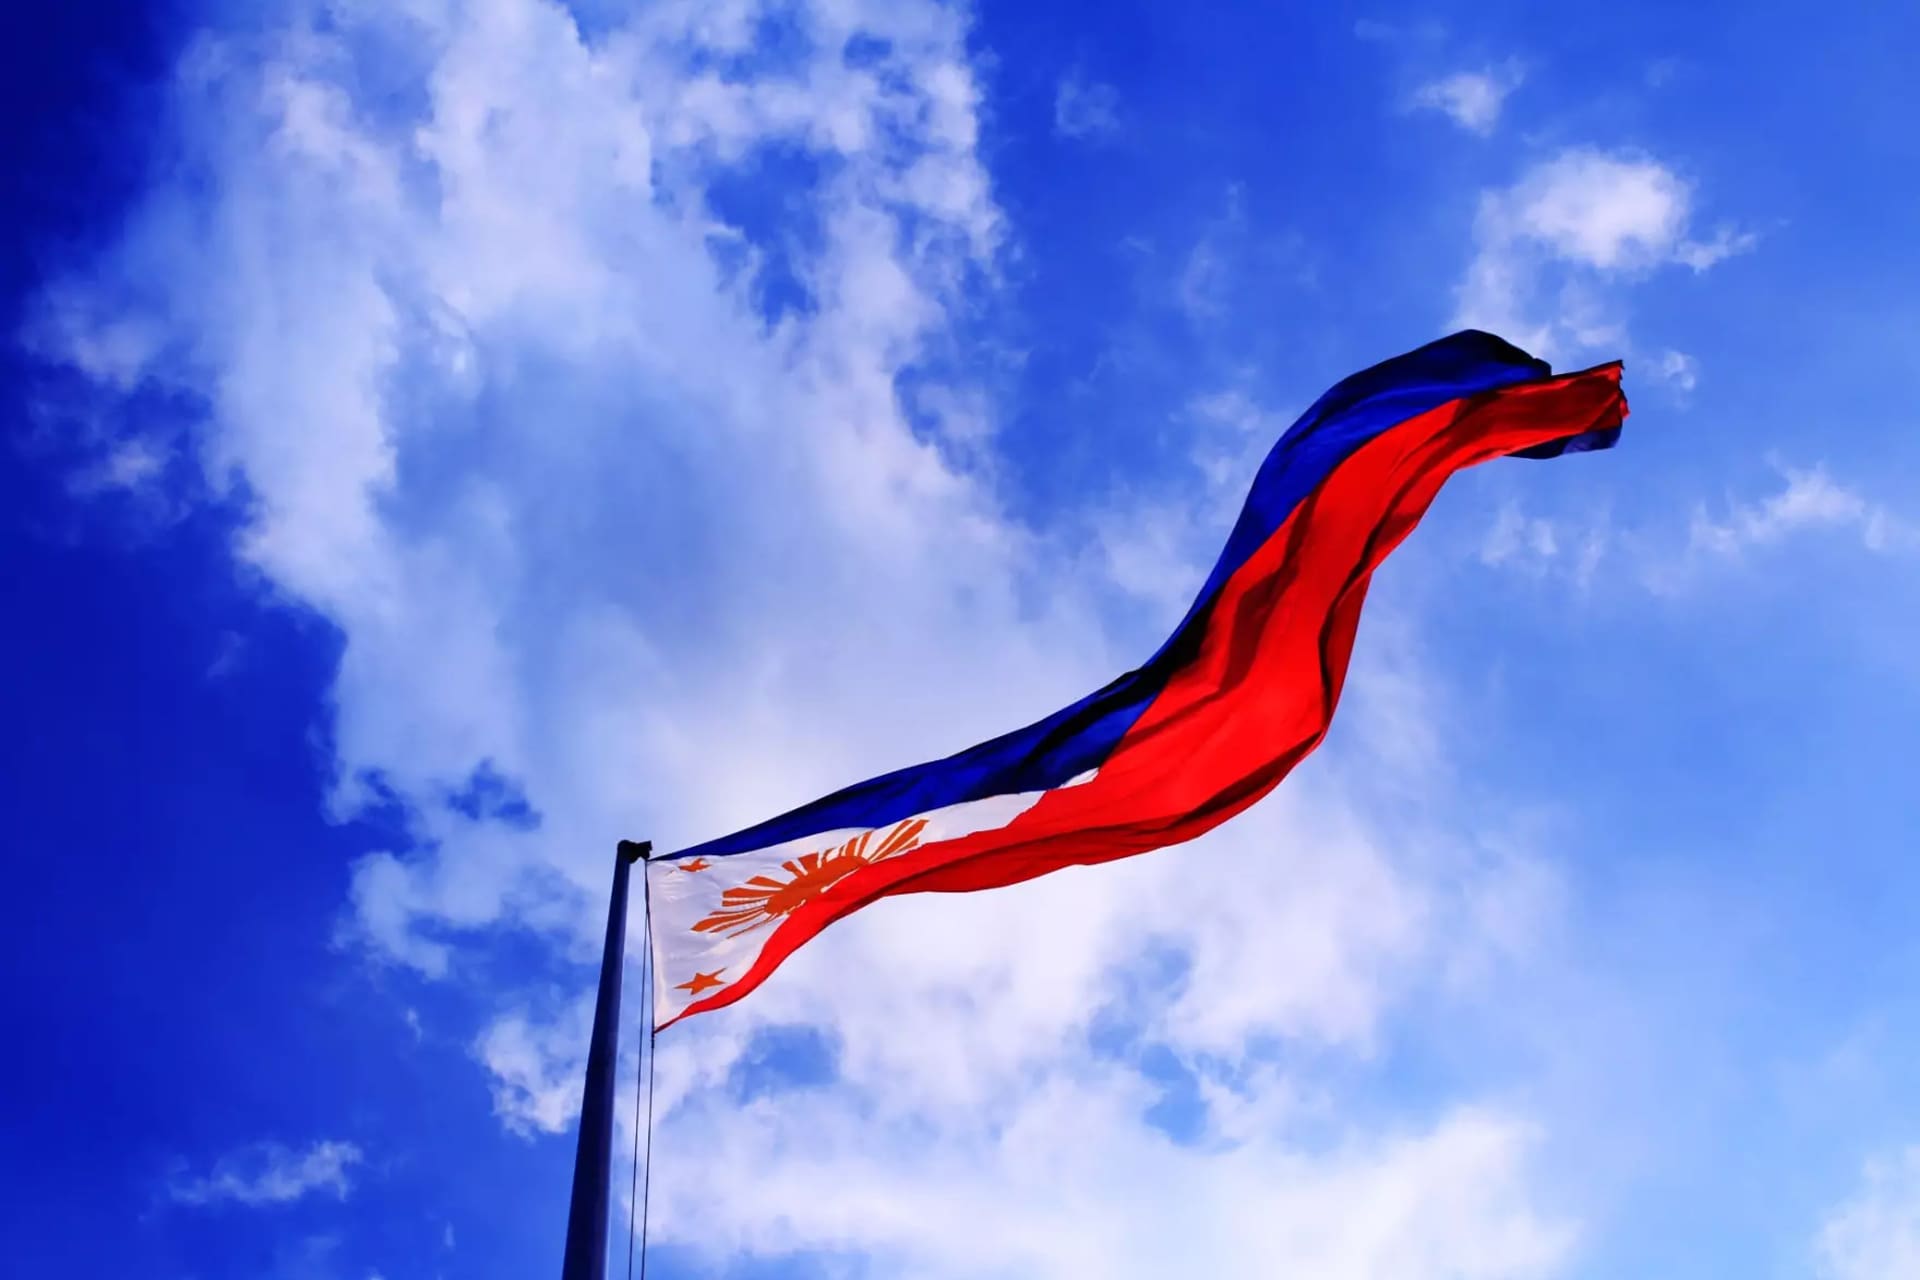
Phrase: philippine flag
(1239, 694)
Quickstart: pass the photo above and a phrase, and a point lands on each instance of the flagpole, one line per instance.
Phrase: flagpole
(586, 1256)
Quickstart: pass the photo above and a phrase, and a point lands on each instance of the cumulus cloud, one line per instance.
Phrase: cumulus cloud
(1471, 99)
(1085, 109)
(1074, 1188)
(612, 492)
(1553, 249)
(536, 1065)
(1875, 1233)
(1605, 211)
(269, 1173)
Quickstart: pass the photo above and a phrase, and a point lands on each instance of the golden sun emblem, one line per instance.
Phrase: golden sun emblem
(764, 899)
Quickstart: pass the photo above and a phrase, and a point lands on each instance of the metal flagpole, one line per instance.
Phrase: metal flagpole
(586, 1256)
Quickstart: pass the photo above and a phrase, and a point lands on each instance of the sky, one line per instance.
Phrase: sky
(443, 439)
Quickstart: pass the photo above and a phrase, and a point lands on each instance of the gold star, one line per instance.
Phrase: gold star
(702, 982)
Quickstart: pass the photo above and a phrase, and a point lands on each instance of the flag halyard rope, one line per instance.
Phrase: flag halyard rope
(637, 1204)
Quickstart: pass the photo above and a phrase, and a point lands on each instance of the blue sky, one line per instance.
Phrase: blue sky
(444, 438)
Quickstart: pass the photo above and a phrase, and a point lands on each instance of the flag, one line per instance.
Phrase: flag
(1237, 696)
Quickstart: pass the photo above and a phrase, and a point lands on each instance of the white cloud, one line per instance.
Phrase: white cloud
(1156, 547)
(1553, 250)
(492, 373)
(1075, 1187)
(1085, 108)
(1665, 560)
(1472, 99)
(1875, 1233)
(1810, 499)
(1661, 71)
(1206, 277)
(1518, 538)
(1540, 547)
(1606, 211)
(1726, 242)
(537, 1065)
(1679, 369)
(268, 1173)
(1234, 261)
(132, 465)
